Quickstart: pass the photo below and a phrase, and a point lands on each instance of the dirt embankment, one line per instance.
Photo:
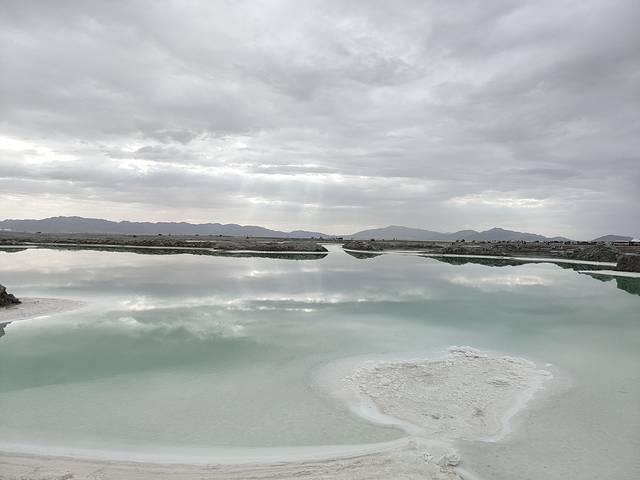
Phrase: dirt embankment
(166, 241)
(629, 263)
(381, 245)
(627, 256)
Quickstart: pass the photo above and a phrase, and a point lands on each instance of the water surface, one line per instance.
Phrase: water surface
(191, 353)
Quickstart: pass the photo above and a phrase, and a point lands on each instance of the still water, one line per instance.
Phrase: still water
(189, 353)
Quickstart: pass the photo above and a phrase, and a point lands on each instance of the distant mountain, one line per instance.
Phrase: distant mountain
(502, 234)
(97, 226)
(612, 238)
(397, 232)
(405, 233)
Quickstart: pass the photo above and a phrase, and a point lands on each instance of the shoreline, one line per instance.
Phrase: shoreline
(203, 456)
(426, 452)
(612, 273)
(216, 243)
(403, 461)
(125, 247)
(525, 259)
(489, 257)
(465, 395)
(32, 308)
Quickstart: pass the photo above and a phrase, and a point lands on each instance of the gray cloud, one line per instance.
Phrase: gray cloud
(325, 115)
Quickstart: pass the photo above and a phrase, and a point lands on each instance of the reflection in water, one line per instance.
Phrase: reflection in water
(489, 262)
(628, 284)
(500, 281)
(362, 255)
(578, 267)
(11, 249)
(512, 262)
(2, 325)
(194, 251)
(220, 351)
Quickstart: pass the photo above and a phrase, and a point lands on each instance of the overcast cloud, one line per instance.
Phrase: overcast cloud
(325, 115)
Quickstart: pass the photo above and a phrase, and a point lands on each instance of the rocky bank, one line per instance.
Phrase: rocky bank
(596, 253)
(629, 263)
(6, 298)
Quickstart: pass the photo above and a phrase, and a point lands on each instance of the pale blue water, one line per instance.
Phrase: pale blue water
(195, 352)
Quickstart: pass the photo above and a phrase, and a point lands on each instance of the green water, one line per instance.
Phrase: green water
(195, 353)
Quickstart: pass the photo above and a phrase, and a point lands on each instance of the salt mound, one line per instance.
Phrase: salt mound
(466, 395)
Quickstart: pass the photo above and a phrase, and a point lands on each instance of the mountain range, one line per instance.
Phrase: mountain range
(406, 233)
(96, 226)
(100, 226)
(613, 238)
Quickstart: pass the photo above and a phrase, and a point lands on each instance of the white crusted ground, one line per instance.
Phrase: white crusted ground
(466, 395)
(36, 307)
(402, 463)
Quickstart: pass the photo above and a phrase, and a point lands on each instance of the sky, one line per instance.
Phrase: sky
(331, 116)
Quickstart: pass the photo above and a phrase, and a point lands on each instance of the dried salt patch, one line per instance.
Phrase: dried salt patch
(451, 459)
(499, 382)
(465, 395)
(467, 351)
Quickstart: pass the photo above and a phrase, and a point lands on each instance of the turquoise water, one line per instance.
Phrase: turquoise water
(185, 353)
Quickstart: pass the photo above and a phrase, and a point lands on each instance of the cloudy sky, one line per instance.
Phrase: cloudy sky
(325, 115)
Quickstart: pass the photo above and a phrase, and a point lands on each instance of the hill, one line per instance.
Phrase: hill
(397, 232)
(100, 226)
(612, 238)
(96, 225)
(405, 233)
